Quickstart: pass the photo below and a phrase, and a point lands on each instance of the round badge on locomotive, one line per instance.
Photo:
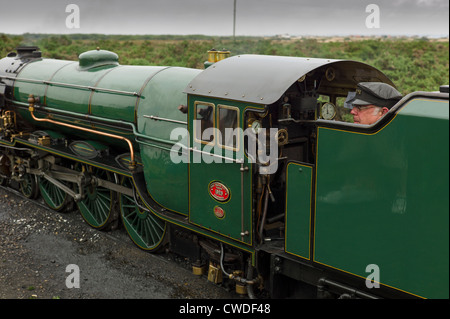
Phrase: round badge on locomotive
(219, 212)
(219, 191)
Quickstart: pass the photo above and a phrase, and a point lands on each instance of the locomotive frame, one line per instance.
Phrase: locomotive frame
(98, 134)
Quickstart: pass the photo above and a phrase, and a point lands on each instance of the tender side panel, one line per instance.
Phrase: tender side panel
(382, 199)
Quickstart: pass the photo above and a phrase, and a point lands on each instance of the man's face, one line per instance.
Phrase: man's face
(366, 114)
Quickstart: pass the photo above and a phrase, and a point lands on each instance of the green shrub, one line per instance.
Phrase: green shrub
(412, 64)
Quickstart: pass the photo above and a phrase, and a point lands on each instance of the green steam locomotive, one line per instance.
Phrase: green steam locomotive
(241, 167)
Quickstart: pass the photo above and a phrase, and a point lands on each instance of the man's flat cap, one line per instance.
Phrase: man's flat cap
(376, 93)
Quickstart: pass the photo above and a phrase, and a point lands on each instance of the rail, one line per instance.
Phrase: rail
(69, 85)
(156, 118)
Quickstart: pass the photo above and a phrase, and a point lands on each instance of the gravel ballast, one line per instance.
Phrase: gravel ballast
(37, 245)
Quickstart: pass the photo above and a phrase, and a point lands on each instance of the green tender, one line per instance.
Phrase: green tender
(383, 199)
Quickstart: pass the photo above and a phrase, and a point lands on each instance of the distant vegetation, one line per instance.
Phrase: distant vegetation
(412, 64)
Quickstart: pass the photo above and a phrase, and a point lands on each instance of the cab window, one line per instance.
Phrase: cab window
(228, 122)
(204, 119)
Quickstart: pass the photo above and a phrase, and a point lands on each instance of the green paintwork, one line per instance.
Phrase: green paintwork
(119, 106)
(72, 99)
(201, 174)
(62, 95)
(383, 199)
(37, 70)
(96, 58)
(160, 90)
(298, 209)
(166, 180)
(202, 204)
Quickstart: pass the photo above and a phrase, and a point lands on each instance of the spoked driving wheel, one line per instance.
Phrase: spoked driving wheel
(5, 170)
(98, 204)
(145, 229)
(29, 186)
(53, 196)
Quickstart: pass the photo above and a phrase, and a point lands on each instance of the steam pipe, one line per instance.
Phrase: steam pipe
(31, 102)
(250, 291)
(233, 276)
(264, 216)
(103, 120)
(323, 282)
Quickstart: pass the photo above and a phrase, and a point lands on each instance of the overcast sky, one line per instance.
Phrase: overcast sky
(215, 17)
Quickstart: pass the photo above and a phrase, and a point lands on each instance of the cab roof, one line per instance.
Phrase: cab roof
(263, 79)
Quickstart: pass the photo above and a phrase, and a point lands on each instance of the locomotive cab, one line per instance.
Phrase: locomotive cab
(307, 205)
(271, 105)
